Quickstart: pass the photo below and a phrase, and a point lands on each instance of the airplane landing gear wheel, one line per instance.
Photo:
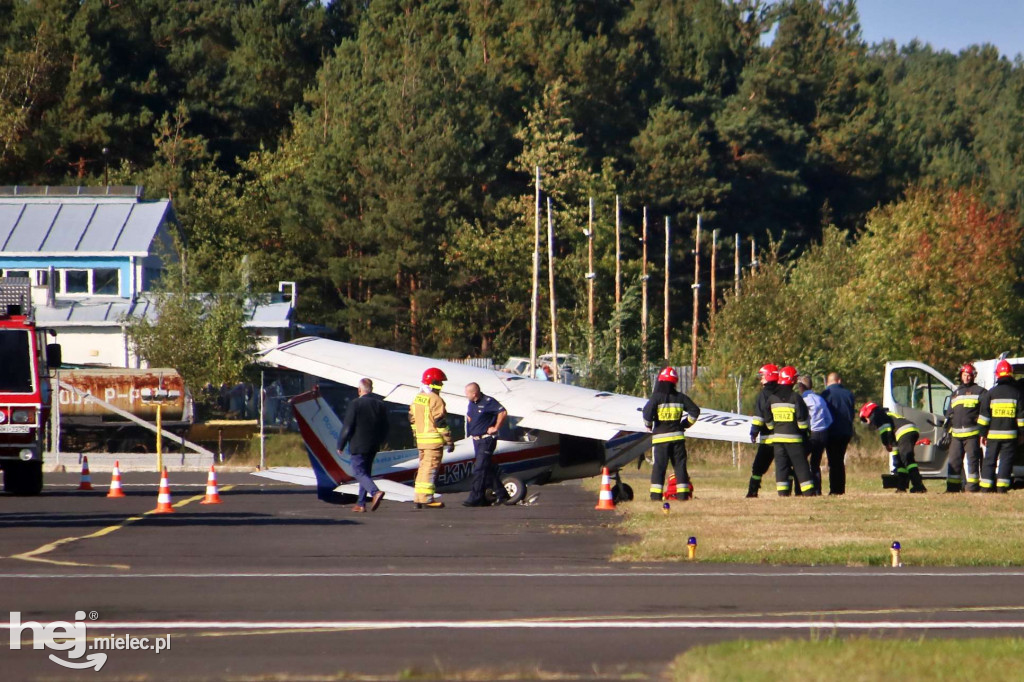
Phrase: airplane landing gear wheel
(515, 489)
(622, 492)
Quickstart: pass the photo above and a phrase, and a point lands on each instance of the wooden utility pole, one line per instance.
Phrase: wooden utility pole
(591, 276)
(618, 295)
(714, 268)
(736, 267)
(551, 286)
(668, 244)
(643, 304)
(536, 275)
(696, 303)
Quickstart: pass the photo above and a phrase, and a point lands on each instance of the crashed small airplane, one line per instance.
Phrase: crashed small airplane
(556, 432)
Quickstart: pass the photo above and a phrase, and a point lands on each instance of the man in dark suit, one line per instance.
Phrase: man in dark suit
(364, 430)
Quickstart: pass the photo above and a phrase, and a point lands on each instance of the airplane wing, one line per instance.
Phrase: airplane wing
(541, 405)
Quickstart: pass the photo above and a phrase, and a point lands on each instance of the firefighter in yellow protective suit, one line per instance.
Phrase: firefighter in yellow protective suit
(429, 422)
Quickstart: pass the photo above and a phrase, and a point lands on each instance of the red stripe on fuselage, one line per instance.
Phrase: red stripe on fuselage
(499, 459)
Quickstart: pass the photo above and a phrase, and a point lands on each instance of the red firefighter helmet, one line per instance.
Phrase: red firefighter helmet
(787, 375)
(1004, 369)
(866, 410)
(969, 368)
(769, 372)
(434, 377)
(669, 374)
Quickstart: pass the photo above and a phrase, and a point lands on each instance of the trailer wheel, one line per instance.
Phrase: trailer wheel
(23, 478)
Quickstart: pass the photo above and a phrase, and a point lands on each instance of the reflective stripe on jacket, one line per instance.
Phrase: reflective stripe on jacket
(429, 420)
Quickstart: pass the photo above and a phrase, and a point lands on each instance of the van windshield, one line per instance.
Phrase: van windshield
(16, 366)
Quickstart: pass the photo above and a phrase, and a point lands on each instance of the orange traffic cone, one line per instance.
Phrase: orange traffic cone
(163, 498)
(212, 496)
(605, 501)
(115, 482)
(86, 483)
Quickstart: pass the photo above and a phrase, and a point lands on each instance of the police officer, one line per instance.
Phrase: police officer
(789, 424)
(1001, 421)
(429, 422)
(962, 423)
(484, 417)
(899, 436)
(668, 414)
(759, 431)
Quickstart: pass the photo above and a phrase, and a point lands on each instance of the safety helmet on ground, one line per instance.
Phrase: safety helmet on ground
(1004, 369)
(866, 410)
(769, 372)
(787, 375)
(969, 368)
(669, 374)
(434, 377)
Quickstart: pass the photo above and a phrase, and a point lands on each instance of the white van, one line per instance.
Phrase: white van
(921, 394)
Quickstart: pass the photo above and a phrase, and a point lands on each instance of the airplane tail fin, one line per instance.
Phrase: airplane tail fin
(320, 427)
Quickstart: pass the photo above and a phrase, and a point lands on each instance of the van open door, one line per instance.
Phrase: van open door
(920, 394)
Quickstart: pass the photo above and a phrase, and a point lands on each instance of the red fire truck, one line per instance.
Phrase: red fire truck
(25, 359)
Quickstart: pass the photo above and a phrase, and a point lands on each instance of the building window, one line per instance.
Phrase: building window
(76, 282)
(42, 278)
(106, 281)
(15, 273)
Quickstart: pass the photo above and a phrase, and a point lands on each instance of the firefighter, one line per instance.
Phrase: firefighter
(789, 425)
(668, 414)
(899, 436)
(430, 425)
(962, 424)
(1001, 422)
(759, 431)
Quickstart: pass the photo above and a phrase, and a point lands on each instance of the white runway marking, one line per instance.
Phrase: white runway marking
(553, 625)
(632, 575)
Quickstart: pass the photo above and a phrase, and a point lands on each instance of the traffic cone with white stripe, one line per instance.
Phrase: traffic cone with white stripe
(605, 500)
(86, 482)
(212, 496)
(115, 481)
(163, 499)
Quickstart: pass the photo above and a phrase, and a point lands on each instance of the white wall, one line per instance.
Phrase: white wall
(95, 346)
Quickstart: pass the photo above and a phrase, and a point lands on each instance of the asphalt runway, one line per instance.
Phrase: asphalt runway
(274, 584)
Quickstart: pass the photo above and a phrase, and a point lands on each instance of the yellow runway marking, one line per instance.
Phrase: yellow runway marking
(36, 554)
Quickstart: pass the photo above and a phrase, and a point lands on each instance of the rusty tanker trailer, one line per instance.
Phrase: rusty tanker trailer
(86, 426)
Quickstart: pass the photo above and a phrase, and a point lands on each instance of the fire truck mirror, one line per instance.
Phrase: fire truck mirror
(53, 355)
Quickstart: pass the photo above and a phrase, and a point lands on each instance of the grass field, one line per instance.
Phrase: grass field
(935, 529)
(852, 660)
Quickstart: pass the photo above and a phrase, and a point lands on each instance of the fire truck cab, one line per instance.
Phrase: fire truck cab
(25, 393)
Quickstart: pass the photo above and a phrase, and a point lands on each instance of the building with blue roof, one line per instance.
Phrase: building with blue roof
(93, 255)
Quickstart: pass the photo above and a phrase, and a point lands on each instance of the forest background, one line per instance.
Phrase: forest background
(381, 154)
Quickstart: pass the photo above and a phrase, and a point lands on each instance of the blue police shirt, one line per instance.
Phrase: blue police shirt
(482, 415)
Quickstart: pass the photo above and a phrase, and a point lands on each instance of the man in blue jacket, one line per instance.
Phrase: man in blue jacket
(841, 405)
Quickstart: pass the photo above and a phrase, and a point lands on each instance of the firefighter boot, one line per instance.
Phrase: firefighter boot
(916, 484)
(953, 486)
(753, 486)
(902, 481)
